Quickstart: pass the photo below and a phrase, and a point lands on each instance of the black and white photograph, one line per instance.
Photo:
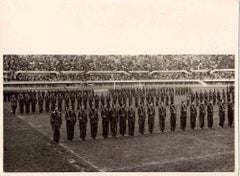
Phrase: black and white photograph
(119, 87)
(144, 113)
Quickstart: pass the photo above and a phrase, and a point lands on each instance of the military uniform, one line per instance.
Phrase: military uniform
(173, 112)
(82, 117)
(193, 115)
(21, 103)
(93, 115)
(27, 103)
(221, 114)
(40, 103)
(162, 117)
(141, 118)
(183, 117)
(230, 113)
(71, 120)
(131, 121)
(210, 115)
(14, 104)
(151, 116)
(122, 120)
(201, 115)
(105, 122)
(56, 122)
(34, 102)
(113, 121)
(47, 102)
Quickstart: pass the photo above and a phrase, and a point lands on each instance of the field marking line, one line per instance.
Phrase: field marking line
(180, 159)
(60, 144)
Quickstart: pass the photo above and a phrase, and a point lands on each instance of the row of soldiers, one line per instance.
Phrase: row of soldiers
(124, 117)
(87, 98)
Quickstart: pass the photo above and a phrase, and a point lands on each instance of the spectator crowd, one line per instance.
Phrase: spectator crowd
(127, 63)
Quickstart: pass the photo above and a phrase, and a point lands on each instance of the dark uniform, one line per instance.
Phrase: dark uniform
(14, 104)
(56, 122)
(221, 114)
(47, 102)
(183, 117)
(71, 120)
(122, 120)
(60, 99)
(105, 122)
(82, 117)
(131, 121)
(210, 115)
(34, 102)
(113, 121)
(230, 113)
(27, 103)
(193, 115)
(93, 115)
(53, 101)
(214, 97)
(151, 116)
(173, 112)
(201, 115)
(40, 103)
(21, 103)
(141, 118)
(162, 117)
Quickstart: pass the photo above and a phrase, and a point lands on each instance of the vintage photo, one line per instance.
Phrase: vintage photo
(119, 113)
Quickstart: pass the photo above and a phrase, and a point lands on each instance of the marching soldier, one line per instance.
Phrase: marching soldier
(131, 121)
(173, 112)
(93, 114)
(21, 103)
(210, 114)
(151, 115)
(122, 120)
(162, 116)
(193, 115)
(82, 117)
(201, 115)
(221, 113)
(14, 104)
(230, 113)
(105, 122)
(113, 120)
(40, 103)
(56, 122)
(141, 118)
(183, 117)
(71, 120)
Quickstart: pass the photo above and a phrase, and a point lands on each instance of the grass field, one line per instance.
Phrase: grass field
(27, 139)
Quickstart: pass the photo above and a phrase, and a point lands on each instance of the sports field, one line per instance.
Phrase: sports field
(28, 138)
